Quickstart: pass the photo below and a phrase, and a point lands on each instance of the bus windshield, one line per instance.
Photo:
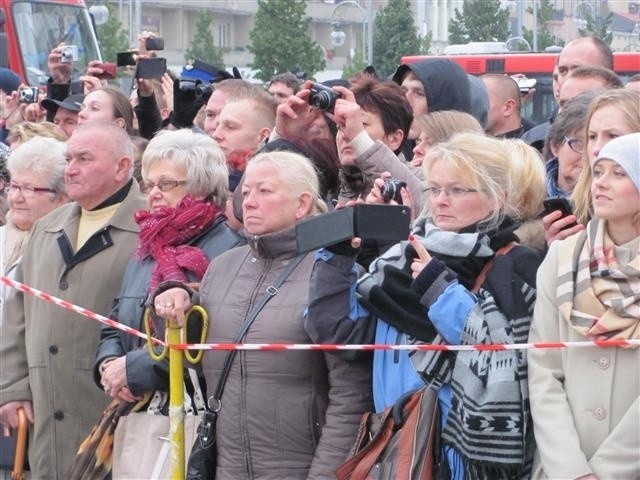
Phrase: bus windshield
(40, 26)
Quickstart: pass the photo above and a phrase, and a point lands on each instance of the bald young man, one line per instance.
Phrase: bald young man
(504, 118)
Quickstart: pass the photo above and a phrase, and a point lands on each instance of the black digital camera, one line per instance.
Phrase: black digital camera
(323, 98)
(391, 190)
(28, 95)
(200, 90)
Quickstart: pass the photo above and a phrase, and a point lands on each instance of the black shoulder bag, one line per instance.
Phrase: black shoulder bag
(203, 459)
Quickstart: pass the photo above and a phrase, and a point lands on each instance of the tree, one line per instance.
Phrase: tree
(394, 35)
(280, 40)
(356, 63)
(111, 37)
(545, 37)
(480, 21)
(202, 47)
(597, 27)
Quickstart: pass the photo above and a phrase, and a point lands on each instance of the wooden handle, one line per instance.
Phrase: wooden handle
(21, 447)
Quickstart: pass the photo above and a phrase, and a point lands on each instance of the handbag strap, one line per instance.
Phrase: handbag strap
(482, 276)
(270, 292)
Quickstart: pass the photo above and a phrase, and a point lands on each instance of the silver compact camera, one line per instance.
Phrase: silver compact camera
(69, 54)
(28, 94)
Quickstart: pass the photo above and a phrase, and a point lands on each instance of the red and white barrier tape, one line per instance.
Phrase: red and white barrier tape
(421, 347)
(307, 346)
(75, 308)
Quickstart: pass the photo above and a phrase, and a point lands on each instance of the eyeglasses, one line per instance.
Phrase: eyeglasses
(26, 190)
(575, 144)
(453, 192)
(163, 185)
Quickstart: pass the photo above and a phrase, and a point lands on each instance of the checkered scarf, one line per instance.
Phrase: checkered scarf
(598, 297)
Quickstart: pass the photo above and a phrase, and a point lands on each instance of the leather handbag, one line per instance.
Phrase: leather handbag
(399, 442)
(203, 459)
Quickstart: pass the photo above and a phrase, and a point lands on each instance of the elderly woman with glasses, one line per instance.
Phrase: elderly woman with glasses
(36, 187)
(36, 170)
(185, 179)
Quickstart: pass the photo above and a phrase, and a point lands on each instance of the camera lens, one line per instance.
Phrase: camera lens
(391, 190)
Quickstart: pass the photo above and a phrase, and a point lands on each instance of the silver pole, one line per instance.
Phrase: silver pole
(370, 33)
(519, 18)
(535, 25)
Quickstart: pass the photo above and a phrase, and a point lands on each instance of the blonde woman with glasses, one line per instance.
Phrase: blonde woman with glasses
(432, 289)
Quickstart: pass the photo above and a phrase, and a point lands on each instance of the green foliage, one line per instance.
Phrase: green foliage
(394, 35)
(425, 43)
(480, 21)
(597, 27)
(356, 64)
(280, 40)
(545, 37)
(111, 37)
(202, 47)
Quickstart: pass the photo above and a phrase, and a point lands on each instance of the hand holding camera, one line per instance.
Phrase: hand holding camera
(347, 114)
(389, 190)
(188, 96)
(60, 70)
(294, 117)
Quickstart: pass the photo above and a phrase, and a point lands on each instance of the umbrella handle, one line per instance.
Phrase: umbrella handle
(21, 446)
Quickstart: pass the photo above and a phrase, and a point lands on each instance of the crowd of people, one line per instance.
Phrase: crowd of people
(171, 197)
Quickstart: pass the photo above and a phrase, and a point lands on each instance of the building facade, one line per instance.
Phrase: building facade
(234, 20)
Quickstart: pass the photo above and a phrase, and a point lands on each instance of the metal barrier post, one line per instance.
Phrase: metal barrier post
(176, 402)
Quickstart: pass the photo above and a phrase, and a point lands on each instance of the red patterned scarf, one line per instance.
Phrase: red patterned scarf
(164, 233)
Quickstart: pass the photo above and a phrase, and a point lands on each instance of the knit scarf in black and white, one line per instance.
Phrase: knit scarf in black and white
(489, 423)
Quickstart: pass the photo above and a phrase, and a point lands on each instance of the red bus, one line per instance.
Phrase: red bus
(533, 65)
(29, 29)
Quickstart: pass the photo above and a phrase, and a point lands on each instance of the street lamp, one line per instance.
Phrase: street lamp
(100, 14)
(338, 36)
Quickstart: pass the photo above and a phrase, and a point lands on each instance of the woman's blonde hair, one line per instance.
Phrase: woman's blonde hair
(27, 130)
(297, 171)
(484, 163)
(442, 125)
(528, 179)
(628, 102)
(201, 157)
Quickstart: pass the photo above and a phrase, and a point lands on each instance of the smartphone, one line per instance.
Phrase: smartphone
(552, 204)
(154, 43)
(151, 67)
(126, 59)
(108, 71)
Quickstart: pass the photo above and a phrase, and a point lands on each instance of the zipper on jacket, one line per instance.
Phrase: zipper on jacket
(244, 429)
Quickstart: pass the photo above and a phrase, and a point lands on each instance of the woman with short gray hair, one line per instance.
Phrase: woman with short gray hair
(185, 179)
(36, 187)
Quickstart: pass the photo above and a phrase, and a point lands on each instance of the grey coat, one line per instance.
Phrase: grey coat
(285, 414)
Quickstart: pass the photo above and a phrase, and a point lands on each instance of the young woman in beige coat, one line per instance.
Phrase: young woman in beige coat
(586, 401)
